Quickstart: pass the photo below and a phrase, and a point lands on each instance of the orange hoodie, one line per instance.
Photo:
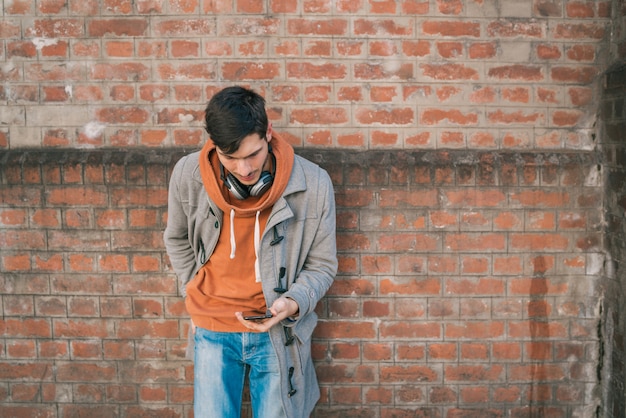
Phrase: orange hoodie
(228, 282)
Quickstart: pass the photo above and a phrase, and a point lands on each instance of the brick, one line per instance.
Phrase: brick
(188, 71)
(401, 116)
(185, 48)
(13, 217)
(85, 350)
(143, 328)
(317, 49)
(28, 411)
(410, 373)
(185, 6)
(55, 94)
(83, 307)
(508, 29)
(57, 50)
(54, 349)
(368, 71)
(317, 94)
(581, 75)
(118, 6)
(51, 306)
(110, 219)
(516, 72)
(79, 284)
(449, 72)
(579, 31)
(21, 49)
(148, 308)
(442, 395)
(18, 306)
(566, 118)
(187, 93)
(152, 394)
(319, 138)
(319, 115)
(81, 262)
(17, 263)
(335, 27)
(536, 372)
(360, 329)
(154, 350)
(248, 26)
(82, 328)
(152, 284)
(451, 28)
(85, 371)
(51, 263)
(443, 351)
(113, 263)
(378, 395)
(56, 28)
(477, 351)
(27, 327)
(250, 71)
(474, 395)
(133, 115)
(581, 53)
(314, 71)
(438, 116)
(187, 138)
(115, 307)
(50, 72)
(117, 27)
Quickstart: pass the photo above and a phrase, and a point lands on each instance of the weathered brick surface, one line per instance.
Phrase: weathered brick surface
(464, 284)
(419, 73)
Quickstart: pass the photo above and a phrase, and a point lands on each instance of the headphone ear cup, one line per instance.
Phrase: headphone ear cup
(237, 189)
(261, 186)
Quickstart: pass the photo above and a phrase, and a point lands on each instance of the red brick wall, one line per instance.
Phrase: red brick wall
(462, 142)
(359, 74)
(465, 285)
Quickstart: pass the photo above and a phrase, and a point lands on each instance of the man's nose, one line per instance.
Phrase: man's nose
(243, 167)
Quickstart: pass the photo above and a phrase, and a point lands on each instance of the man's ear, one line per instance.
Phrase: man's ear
(268, 134)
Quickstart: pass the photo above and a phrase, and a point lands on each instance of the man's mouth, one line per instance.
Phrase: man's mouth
(247, 179)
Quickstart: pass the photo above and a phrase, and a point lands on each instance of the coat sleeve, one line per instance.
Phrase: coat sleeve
(176, 236)
(320, 263)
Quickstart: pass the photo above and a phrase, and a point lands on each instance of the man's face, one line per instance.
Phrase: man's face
(249, 161)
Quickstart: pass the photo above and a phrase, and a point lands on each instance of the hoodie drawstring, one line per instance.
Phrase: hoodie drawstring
(233, 244)
(257, 242)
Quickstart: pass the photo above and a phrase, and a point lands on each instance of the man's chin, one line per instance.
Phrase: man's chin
(248, 181)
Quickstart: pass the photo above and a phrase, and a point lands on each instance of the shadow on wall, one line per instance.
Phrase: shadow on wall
(612, 330)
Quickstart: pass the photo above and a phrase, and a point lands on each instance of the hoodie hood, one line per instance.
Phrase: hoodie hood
(253, 205)
(218, 192)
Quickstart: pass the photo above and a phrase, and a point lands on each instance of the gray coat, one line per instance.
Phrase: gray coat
(304, 259)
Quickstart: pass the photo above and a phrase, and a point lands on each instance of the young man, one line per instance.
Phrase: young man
(251, 227)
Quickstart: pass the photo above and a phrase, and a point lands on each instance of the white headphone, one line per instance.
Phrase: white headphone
(241, 191)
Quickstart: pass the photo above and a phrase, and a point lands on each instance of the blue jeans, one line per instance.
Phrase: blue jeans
(220, 364)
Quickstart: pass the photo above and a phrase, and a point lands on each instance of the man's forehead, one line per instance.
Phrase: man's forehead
(246, 147)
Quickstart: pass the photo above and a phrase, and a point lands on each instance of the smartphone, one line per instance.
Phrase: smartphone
(256, 316)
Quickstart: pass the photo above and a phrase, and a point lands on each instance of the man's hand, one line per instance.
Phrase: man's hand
(281, 308)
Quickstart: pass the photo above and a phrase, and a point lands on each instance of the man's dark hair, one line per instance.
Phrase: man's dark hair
(232, 114)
